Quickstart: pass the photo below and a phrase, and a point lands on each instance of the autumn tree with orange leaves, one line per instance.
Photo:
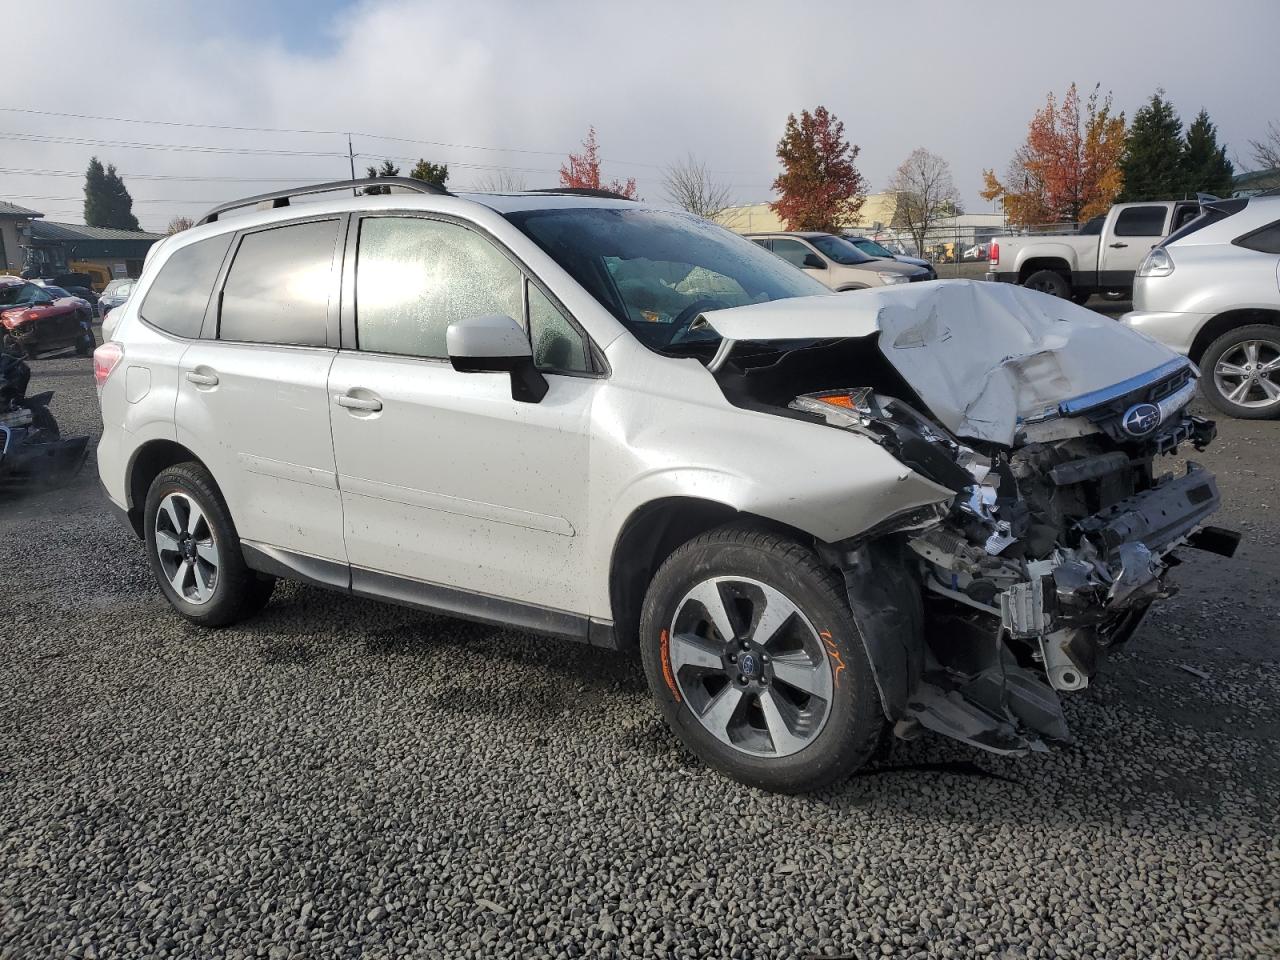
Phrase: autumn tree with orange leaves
(1069, 167)
(819, 187)
(582, 171)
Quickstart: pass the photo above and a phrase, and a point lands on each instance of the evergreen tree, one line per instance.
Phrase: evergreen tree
(388, 169)
(106, 201)
(1152, 164)
(437, 173)
(1205, 166)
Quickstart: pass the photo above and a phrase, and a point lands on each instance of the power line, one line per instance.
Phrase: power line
(334, 133)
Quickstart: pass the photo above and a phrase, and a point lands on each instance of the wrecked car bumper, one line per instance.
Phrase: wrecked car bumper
(49, 462)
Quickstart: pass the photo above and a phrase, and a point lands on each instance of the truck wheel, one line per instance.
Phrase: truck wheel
(1240, 372)
(194, 550)
(1049, 281)
(756, 663)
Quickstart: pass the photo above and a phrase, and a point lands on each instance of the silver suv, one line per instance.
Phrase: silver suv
(1211, 291)
(837, 262)
(817, 516)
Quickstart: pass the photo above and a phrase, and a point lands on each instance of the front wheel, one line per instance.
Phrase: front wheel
(755, 661)
(194, 550)
(1240, 372)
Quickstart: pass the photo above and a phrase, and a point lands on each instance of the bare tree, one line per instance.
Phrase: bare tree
(926, 193)
(1266, 152)
(688, 185)
(178, 224)
(500, 181)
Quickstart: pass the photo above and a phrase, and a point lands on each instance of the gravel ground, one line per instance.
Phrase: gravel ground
(344, 778)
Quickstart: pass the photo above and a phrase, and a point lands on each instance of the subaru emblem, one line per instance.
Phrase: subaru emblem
(1141, 419)
(747, 665)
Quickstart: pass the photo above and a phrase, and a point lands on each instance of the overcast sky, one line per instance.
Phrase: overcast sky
(516, 84)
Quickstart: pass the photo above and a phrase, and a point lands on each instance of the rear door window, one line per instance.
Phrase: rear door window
(279, 285)
(792, 251)
(1140, 222)
(179, 294)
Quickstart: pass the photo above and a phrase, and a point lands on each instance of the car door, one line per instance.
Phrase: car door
(446, 480)
(1136, 230)
(252, 396)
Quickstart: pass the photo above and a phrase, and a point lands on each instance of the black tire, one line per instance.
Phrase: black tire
(854, 721)
(237, 591)
(11, 346)
(1264, 333)
(1049, 281)
(86, 344)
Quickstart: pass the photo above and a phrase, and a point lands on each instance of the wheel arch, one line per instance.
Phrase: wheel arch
(145, 465)
(1225, 322)
(1032, 265)
(651, 533)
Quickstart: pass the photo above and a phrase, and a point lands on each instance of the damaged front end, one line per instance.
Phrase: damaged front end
(1049, 554)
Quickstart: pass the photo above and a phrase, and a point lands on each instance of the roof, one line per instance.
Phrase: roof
(806, 234)
(50, 230)
(8, 209)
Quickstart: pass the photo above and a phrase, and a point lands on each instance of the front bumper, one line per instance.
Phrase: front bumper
(1177, 331)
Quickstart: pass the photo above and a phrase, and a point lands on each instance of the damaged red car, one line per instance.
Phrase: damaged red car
(33, 321)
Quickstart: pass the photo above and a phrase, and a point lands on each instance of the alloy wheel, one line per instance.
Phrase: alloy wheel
(186, 548)
(751, 666)
(1248, 373)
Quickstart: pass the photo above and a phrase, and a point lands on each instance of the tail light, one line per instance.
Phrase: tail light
(994, 258)
(105, 359)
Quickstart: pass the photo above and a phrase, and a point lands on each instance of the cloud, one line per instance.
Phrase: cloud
(658, 80)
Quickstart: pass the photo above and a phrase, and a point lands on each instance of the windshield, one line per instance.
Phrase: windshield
(872, 249)
(658, 271)
(840, 250)
(16, 293)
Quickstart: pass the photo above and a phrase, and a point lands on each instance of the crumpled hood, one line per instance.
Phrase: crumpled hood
(982, 356)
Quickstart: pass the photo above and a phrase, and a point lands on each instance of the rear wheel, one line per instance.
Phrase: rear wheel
(1049, 281)
(755, 661)
(194, 550)
(1240, 372)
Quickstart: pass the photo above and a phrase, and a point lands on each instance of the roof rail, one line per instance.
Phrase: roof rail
(583, 192)
(281, 198)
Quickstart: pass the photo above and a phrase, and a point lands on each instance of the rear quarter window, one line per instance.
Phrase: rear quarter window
(180, 293)
(1264, 240)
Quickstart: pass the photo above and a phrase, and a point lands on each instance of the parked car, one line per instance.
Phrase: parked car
(587, 417)
(1077, 265)
(835, 261)
(116, 293)
(878, 250)
(33, 320)
(83, 293)
(1210, 292)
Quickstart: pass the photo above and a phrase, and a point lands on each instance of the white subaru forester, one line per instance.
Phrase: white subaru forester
(819, 516)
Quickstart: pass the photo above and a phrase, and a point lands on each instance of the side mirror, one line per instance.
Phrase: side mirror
(814, 262)
(496, 344)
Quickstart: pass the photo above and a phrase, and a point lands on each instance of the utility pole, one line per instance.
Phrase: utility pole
(352, 157)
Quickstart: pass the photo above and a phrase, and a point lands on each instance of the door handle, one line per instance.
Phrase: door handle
(202, 379)
(1118, 246)
(372, 405)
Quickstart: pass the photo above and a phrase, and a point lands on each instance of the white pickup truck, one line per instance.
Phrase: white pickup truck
(1101, 258)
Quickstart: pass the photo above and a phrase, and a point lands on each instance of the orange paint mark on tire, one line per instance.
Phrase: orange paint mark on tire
(834, 653)
(664, 650)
